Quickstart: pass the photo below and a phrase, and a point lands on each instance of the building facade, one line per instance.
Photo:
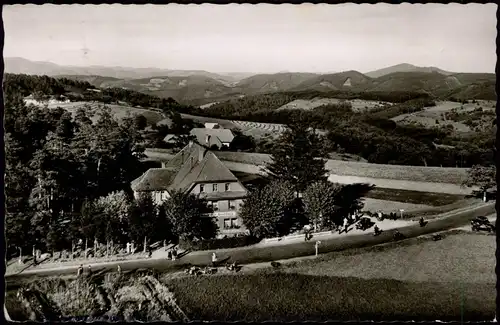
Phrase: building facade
(198, 171)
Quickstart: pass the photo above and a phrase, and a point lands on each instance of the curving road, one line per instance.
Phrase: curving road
(261, 253)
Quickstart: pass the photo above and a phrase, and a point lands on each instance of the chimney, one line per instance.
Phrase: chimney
(207, 140)
(201, 154)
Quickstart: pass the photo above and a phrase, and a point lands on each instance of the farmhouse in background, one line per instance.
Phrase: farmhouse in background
(213, 137)
(197, 170)
(212, 125)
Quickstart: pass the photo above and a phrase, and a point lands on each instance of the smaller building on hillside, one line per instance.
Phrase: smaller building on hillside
(170, 139)
(212, 126)
(213, 138)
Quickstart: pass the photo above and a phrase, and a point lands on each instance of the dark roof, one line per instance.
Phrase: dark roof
(230, 195)
(192, 164)
(154, 179)
(191, 169)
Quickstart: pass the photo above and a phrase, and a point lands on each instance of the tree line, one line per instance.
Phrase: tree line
(68, 177)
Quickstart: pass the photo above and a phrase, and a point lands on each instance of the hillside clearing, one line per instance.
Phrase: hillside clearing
(430, 115)
(118, 111)
(358, 105)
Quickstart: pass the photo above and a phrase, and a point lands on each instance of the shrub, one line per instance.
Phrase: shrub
(209, 244)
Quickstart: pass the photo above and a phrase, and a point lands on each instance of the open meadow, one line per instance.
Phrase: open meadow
(418, 279)
(438, 115)
(118, 111)
(358, 105)
(366, 170)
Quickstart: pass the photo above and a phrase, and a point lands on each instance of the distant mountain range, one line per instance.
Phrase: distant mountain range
(200, 87)
(21, 65)
(405, 67)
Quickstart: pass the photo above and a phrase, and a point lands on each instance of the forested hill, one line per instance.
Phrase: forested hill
(45, 87)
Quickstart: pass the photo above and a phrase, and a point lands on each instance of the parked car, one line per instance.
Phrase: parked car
(482, 223)
(364, 223)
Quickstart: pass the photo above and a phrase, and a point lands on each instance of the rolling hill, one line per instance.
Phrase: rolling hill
(265, 83)
(197, 87)
(404, 67)
(179, 88)
(24, 66)
(337, 81)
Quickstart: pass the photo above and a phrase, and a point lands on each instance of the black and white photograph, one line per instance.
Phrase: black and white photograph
(250, 162)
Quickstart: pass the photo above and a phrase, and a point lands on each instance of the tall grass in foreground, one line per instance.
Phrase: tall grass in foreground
(295, 297)
(135, 297)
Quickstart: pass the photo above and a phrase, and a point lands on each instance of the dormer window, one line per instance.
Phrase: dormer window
(214, 187)
(227, 187)
(202, 188)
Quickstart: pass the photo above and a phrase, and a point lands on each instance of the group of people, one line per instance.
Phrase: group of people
(79, 272)
(172, 254)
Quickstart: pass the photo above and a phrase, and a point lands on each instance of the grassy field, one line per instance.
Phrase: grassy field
(414, 197)
(357, 104)
(361, 169)
(202, 119)
(460, 257)
(118, 111)
(388, 206)
(430, 115)
(412, 280)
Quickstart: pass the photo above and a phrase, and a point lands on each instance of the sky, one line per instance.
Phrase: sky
(256, 38)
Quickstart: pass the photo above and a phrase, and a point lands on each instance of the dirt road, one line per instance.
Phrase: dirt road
(258, 253)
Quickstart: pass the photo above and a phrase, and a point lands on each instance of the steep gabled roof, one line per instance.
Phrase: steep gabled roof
(190, 168)
(154, 179)
(192, 164)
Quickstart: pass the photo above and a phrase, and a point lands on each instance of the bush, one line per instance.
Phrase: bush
(209, 244)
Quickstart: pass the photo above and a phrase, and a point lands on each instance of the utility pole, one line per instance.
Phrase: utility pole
(316, 246)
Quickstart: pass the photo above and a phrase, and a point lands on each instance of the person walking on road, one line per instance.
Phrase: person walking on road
(90, 270)
(214, 259)
(119, 269)
(79, 272)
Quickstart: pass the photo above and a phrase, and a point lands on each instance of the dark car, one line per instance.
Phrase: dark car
(482, 224)
(364, 223)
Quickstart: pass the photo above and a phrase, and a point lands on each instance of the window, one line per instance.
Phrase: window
(232, 205)
(231, 223)
(227, 187)
(202, 188)
(214, 187)
(215, 205)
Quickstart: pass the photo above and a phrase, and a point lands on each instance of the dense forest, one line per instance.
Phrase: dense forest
(67, 177)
